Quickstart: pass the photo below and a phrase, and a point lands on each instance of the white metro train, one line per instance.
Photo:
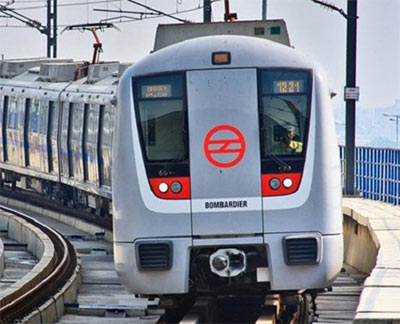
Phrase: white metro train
(226, 171)
(56, 128)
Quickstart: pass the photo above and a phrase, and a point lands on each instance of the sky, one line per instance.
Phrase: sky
(318, 32)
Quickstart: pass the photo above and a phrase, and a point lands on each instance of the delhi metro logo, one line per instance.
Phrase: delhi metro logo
(224, 146)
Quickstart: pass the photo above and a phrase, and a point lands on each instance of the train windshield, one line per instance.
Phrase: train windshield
(284, 112)
(162, 115)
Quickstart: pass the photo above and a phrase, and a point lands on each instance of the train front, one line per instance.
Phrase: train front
(225, 171)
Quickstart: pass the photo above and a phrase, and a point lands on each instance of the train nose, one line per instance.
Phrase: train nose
(228, 262)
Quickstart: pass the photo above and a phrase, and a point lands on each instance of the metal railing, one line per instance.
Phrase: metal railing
(377, 173)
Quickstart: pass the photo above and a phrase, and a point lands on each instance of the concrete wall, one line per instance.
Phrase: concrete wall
(360, 248)
(40, 245)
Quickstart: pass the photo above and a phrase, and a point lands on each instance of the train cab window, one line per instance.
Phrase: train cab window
(285, 98)
(161, 114)
(284, 111)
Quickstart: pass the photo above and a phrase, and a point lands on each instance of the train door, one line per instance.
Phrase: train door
(224, 152)
(52, 143)
(65, 131)
(22, 105)
(13, 143)
(3, 128)
(92, 130)
(33, 152)
(43, 121)
(84, 142)
(76, 142)
(105, 144)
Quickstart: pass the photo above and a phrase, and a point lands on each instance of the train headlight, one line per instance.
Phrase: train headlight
(274, 183)
(287, 183)
(176, 187)
(163, 187)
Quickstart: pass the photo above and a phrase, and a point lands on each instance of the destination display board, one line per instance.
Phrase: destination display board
(288, 86)
(285, 81)
(156, 91)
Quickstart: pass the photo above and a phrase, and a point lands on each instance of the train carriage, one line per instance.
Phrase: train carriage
(29, 129)
(225, 175)
(56, 130)
(86, 136)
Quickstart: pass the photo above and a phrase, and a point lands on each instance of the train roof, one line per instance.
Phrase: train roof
(55, 73)
(246, 52)
(274, 30)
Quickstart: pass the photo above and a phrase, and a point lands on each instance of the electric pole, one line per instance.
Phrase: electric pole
(51, 29)
(207, 11)
(351, 89)
(264, 9)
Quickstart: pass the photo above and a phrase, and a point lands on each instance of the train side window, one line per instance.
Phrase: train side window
(12, 113)
(65, 118)
(53, 119)
(162, 118)
(76, 123)
(107, 127)
(43, 117)
(34, 116)
(91, 126)
(20, 120)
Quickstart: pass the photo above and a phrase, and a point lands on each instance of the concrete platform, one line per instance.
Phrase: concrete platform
(380, 298)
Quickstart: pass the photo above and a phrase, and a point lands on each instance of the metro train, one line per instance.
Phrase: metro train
(56, 129)
(226, 175)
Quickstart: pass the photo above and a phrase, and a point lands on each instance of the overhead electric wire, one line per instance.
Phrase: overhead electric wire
(126, 11)
(158, 11)
(133, 19)
(65, 4)
(155, 14)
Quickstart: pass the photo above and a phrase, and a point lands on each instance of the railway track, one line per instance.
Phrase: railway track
(44, 285)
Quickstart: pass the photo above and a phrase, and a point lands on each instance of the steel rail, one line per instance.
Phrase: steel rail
(62, 269)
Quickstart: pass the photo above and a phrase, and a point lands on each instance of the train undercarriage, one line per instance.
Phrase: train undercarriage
(56, 191)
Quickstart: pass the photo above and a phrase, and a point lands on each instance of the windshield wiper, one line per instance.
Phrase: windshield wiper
(283, 166)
